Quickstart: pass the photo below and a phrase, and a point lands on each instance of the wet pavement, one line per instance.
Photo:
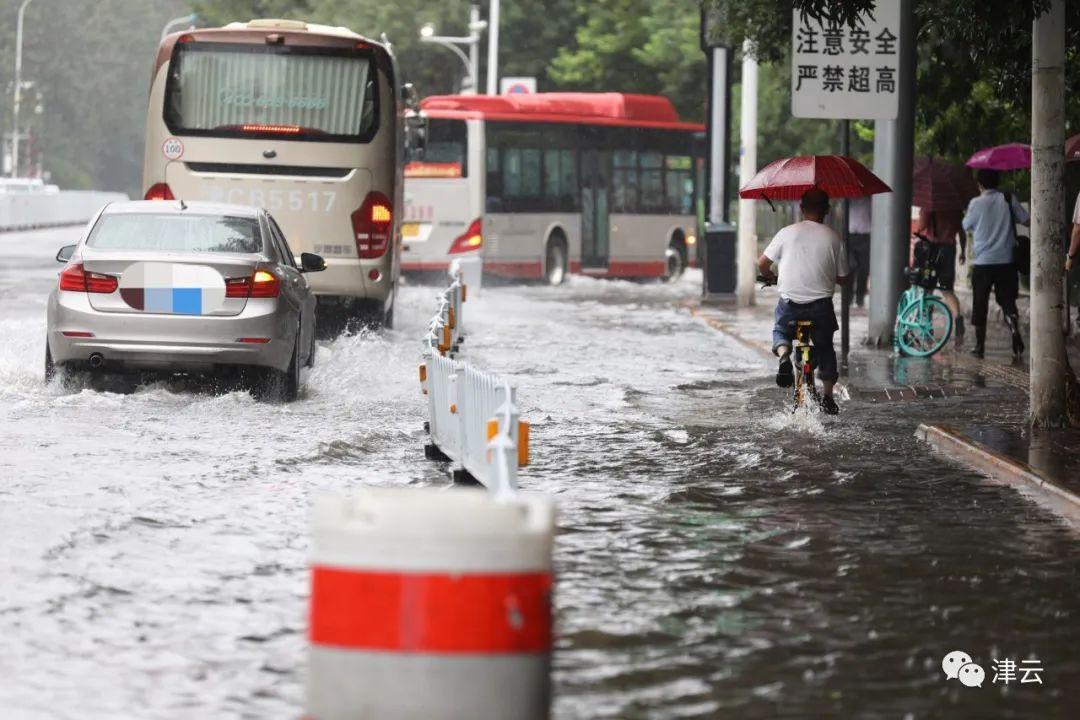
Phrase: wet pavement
(717, 555)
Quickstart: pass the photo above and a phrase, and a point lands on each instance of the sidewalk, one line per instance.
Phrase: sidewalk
(978, 406)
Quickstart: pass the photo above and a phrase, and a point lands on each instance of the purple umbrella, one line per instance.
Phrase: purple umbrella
(1014, 156)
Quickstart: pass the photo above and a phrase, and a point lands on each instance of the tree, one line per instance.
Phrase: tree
(93, 93)
(637, 46)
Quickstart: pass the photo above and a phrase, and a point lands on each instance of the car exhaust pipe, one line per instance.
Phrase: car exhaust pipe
(97, 360)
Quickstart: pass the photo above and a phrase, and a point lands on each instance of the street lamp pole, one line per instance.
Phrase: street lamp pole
(472, 41)
(18, 90)
(493, 49)
(185, 20)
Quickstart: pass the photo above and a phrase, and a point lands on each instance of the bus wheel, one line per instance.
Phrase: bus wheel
(675, 260)
(555, 261)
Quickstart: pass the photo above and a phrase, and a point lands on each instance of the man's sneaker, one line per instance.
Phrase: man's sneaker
(828, 405)
(785, 376)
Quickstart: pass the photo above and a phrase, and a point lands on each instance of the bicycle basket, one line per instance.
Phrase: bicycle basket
(924, 271)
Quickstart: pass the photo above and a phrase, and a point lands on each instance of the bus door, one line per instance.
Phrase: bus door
(595, 208)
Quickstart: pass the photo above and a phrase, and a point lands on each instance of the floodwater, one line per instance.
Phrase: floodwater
(717, 556)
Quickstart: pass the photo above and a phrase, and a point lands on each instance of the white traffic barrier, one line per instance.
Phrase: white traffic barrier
(25, 210)
(430, 604)
(473, 416)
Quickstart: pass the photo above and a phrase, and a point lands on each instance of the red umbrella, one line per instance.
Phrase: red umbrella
(790, 178)
(939, 186)
(1072, 149)
(1013, 156)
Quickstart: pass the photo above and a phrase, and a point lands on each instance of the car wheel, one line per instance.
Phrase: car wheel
(369, 313)
(555, 261)
(311, 354)
(50, 366)
(274, 384)
(675, 261)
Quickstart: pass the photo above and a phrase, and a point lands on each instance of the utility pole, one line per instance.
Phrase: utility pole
(894, 149)
(493, 49)
(1048, 212)
(746, 260)
(18, 90)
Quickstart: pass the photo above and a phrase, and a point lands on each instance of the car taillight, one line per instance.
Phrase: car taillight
(75, 278)
(265, 285)
(261, 284)
(372, 225)
(159, 191)
(471, 239)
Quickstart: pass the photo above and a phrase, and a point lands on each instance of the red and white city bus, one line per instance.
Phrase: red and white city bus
(539, 185)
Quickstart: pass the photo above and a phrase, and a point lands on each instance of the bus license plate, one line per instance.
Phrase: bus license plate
(410, 229)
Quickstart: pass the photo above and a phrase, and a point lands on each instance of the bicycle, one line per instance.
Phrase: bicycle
(924, 322)
(802, 357)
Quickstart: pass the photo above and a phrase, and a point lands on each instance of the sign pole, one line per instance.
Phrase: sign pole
(846, 288)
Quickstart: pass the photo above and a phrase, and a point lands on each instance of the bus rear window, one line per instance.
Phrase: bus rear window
(445, 155)
(246, 90)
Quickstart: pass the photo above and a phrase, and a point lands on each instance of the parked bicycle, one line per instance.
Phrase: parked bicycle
(924, 322)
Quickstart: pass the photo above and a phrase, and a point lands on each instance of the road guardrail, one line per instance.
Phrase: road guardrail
(473, 416)
(29, 210)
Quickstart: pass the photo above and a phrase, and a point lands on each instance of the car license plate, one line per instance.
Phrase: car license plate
(410, 229)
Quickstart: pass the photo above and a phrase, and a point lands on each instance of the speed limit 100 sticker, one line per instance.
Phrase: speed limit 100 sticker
(172, 149)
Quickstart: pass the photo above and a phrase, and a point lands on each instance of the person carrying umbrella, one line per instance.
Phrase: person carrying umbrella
(811, 260)
(941, 191)
(810, 256)
(991, 219)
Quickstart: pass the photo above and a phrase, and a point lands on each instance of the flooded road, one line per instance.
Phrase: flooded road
(718, 557)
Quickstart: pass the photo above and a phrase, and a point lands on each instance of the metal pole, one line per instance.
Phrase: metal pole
(747, 242)
(474, 49)
(456, 50)
(894, 147)
(493, 49)
(185, 20)
(846, 288)
(18, 90)
(1048, 211)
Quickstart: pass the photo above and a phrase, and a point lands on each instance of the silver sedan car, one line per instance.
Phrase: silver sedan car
(191, 287)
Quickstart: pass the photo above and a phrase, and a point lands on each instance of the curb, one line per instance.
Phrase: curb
(1002, 469)
(763, 348)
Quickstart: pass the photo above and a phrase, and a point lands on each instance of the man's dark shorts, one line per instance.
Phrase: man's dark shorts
(819, 312)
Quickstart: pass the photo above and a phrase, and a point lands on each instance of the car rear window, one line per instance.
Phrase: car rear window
(176, 233)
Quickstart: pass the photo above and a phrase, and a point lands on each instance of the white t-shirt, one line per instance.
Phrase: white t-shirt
(809, 256)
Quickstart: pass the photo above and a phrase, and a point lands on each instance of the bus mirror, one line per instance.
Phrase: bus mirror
(410, 97)
(416, 130)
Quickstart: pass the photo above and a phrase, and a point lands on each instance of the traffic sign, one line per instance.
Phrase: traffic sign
(840, 72)
(517, 85)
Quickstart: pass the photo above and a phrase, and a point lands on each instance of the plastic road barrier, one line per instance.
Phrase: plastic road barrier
(430, 604)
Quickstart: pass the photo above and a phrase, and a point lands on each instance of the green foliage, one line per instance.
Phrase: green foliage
(90, 60)
(637, 46)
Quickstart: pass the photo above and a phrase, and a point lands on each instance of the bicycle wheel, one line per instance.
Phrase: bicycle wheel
(923, 327)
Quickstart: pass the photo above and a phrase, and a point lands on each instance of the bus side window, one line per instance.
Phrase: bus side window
(652, 182)
(568, 171)
(678, 185)
(494, 183)
(625, 181)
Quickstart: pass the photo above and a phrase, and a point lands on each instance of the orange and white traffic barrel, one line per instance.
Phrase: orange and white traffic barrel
(430, 604)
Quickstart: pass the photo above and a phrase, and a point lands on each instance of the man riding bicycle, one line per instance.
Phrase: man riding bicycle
(810, 261)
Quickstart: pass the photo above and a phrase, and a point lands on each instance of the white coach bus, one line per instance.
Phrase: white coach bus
(540, 185)
(303, 120)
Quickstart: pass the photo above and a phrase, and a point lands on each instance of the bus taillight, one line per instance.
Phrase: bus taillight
(372, 225)
(159, 191)
(471, 239)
